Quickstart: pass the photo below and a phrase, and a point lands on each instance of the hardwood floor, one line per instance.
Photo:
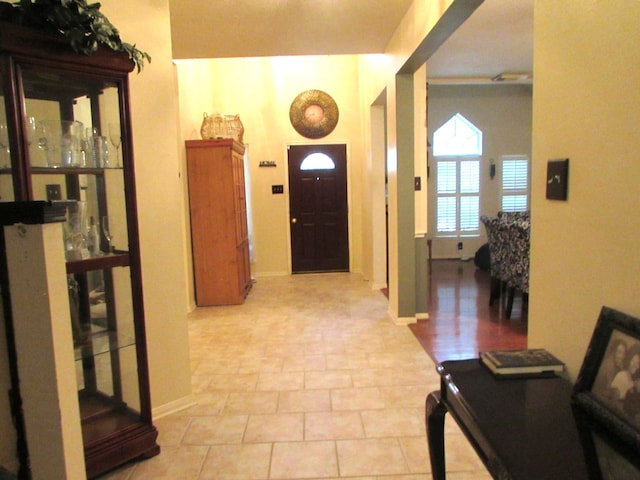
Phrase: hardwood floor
(461, 323)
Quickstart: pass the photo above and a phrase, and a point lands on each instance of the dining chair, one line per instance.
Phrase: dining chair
(517, 262)
(497, 254)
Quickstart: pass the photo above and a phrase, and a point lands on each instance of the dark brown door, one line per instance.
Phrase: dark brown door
(318, 208)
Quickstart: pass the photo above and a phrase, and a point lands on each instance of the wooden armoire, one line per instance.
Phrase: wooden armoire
(219, 235)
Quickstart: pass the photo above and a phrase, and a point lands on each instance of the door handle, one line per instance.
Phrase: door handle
(294, 220)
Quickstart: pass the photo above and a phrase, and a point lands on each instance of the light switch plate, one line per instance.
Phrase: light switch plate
(557, 179)
(54, 192)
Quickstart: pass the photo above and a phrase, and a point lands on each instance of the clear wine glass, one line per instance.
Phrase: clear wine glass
(31, 129)
(31, 132)
(4, 144)
(107, 233)
(116, 139)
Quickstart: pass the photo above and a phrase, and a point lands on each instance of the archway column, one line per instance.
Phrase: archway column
(401, 171)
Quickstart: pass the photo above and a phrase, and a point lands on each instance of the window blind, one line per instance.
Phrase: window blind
(515, 181)
(458, 203)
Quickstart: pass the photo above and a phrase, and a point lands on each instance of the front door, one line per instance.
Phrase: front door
(318, 208)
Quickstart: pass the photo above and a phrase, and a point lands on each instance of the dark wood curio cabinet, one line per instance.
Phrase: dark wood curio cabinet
(65, 136)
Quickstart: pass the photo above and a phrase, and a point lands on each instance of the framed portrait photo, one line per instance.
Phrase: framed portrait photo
(607, 389)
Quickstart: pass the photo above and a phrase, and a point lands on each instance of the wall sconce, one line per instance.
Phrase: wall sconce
(492, 169)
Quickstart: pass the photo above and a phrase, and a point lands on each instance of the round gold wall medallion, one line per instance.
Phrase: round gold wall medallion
(314, 114)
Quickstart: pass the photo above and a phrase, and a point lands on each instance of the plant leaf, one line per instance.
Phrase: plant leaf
(82, 24)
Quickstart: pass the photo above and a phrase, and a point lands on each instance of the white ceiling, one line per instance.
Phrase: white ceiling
(497, 38)
(253, 28)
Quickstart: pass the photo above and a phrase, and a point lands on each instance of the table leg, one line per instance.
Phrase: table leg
(435, 412)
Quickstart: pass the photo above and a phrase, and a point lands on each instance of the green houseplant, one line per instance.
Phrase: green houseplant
(84, 26)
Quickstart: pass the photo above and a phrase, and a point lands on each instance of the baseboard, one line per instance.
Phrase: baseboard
(401, 320)
(271, 274)
(174, 406)
(404, 320)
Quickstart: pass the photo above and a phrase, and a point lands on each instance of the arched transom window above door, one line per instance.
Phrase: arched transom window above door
(317, 161)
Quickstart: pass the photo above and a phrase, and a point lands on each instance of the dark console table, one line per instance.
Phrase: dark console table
(522, 429)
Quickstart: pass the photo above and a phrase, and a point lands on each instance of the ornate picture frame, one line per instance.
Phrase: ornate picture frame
(606, 455)
(314, 114)
(607, 390)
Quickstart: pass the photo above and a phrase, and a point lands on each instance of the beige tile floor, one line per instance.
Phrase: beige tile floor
(309, 379)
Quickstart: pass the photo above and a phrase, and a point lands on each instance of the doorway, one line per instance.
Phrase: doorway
(318, 208)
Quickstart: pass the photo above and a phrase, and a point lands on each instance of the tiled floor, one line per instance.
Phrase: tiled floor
(309, 379)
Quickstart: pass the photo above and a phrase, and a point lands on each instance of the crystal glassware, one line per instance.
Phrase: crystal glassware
(116, 140)
(31, 128)
(108, 235)
(5, 161)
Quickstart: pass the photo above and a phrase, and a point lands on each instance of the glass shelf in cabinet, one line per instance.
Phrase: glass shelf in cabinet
(99, 340)
(66, 170)
(109, 260)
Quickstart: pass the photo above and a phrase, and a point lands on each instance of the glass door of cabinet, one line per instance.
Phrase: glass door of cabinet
(74, 154)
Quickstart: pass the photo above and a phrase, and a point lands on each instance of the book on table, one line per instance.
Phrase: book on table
(534, 361)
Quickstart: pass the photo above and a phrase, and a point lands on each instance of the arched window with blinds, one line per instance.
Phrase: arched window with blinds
(457, 148)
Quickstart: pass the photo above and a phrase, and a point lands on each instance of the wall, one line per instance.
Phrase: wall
(261, 90)
(382, 84)
(44, 346)
(585, 251)
(421, 203)
(154, 110)
(374, 238)
(504, 114)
